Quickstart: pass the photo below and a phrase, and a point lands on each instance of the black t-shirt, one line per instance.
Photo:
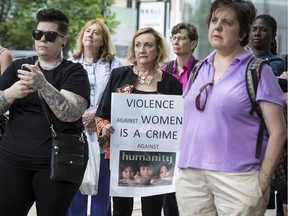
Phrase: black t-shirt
(27, 139)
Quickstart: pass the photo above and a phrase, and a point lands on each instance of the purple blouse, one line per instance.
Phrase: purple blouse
(223, 136)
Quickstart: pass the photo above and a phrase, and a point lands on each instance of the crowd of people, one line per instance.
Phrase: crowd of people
(218, 171)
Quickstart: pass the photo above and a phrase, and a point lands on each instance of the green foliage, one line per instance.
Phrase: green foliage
(18, 19)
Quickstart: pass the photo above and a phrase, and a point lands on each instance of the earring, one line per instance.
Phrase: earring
(63, 45)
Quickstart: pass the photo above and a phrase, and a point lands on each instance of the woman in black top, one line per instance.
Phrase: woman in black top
(25, 150)
(148, 51)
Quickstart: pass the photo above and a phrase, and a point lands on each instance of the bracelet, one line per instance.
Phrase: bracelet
(107, 153)
(265, 175)
(100, 124)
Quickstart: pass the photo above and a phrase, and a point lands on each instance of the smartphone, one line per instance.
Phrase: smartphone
(24, 68)
(283, 83)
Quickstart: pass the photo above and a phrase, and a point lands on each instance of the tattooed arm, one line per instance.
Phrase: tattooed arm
(4, 105)
(67, 106)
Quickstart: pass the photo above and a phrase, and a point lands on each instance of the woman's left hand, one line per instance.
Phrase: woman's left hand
(107, 130)
(263, 183)
(32, 76)
(88, 119)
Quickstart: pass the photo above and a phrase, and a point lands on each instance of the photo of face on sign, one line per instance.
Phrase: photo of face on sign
(146, 169)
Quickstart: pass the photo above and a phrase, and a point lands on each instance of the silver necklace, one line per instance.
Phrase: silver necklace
(57, 63)
(143, 80)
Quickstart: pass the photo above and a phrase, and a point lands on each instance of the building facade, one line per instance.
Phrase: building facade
(163, 15)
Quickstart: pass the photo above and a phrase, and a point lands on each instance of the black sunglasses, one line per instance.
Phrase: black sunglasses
(201, 105)
(49, 35)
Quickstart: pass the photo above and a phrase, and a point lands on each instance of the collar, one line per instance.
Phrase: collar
(187, 66)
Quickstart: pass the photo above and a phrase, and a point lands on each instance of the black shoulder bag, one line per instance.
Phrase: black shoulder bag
(69, 153)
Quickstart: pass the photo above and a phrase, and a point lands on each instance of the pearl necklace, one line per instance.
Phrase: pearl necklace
(143, 80)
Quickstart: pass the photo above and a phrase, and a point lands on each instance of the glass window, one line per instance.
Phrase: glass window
(196, 12)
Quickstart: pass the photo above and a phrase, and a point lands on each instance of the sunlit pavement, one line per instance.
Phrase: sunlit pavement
(137, 209)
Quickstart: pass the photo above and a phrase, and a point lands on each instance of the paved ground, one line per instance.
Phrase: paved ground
(137, 209)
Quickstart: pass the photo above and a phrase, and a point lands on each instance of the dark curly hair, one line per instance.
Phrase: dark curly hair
(245, 13)
(271, 22)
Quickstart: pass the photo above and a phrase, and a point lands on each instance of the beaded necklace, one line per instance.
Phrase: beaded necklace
(144, 80)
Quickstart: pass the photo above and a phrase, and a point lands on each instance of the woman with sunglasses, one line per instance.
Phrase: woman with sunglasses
(95, 51)
(219, 173)
(25, 149)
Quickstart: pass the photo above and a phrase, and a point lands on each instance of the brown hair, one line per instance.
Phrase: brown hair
(191, 29)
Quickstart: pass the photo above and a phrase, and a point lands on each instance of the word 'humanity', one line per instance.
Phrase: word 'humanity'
(161, 157)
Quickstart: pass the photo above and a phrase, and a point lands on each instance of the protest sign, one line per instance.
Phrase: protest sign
(145, 145)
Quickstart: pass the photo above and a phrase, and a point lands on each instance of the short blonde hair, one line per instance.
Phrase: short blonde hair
(107, 51)
(160, 41)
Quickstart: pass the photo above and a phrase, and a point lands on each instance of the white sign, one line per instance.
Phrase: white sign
(152, 14)
(145, 145)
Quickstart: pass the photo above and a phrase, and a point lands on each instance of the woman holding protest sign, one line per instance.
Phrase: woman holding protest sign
(147, 53)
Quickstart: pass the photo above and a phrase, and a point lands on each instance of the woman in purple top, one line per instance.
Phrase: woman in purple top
(219, 173)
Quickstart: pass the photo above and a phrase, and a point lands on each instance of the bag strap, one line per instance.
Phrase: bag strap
(253, 75)
(194, 63)
(169, 67)
(195, 69)
(47, 114)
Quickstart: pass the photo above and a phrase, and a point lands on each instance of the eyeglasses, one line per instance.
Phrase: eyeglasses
(180, 38)
(201, 106)
(49, 35)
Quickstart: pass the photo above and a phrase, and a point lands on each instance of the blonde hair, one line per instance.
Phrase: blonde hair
(107, 51)
(161, 44)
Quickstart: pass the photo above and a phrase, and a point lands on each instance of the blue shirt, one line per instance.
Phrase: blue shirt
(276, 63)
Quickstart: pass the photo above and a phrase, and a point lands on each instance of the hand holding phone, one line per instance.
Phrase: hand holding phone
(23, 67)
